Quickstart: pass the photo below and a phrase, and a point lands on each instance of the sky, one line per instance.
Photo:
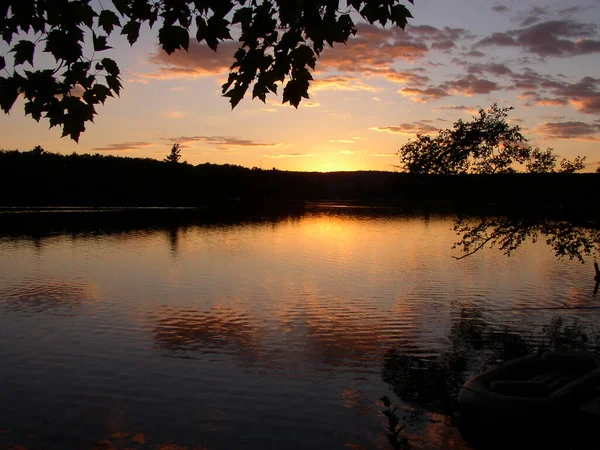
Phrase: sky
(369, 97)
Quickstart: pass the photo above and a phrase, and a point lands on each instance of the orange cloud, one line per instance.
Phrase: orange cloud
(377, 48)
(290, 155)
(199, 61)
(342, 83)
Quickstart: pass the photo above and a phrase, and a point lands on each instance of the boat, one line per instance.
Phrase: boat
(541, 399)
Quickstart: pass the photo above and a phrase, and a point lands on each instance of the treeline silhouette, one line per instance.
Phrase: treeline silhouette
(40, 178)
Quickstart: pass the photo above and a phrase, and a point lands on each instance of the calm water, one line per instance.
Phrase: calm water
(267, 334)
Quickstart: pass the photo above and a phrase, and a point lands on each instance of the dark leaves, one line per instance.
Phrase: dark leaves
(100, 43)
(400, 15)
(304, 56)
(101, 92)
(110, 66)
(295, 90)
(64, 46)
(242, 16)
(114, 84)
(77, 113)
(9, 91)
(280, 41)
(217, 29)
(24, 52)
(132, 31)
(108, 20)
(172, 38)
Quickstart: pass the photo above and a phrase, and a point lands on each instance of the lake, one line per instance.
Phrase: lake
(271, 332)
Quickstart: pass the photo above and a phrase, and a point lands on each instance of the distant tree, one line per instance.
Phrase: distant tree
(574, 166)
(279, 40)
(37, 150)
(175, 154)
(541, 161)
(486, 145)
(598, 170)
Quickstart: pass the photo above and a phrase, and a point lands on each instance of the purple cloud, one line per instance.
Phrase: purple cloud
(419, 127)
(559, 38)
(124, 146)
(569, 130)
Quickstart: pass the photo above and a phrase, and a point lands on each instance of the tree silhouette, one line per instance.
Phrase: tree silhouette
(488, 144)
(280, 40)
(175, 154)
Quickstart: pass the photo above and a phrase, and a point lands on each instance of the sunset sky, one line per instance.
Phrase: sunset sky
(369, 98)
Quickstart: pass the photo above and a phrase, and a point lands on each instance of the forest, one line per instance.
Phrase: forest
(40, 178)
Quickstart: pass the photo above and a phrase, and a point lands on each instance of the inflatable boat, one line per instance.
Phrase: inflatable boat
(532, 398)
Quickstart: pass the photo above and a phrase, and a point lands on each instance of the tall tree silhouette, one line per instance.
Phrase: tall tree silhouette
(175, 154)
(488, 144)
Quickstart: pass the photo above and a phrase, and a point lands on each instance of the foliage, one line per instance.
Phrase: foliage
(394, 428)
(574, 166)
(279, 40)
(486, 145)
(175, 154)
(107, 180)
(508, 234)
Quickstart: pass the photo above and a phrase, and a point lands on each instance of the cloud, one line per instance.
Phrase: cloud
(471, 85)
(558, 38)
(341, 83)
(199, 61)
(290, 155)
(569, 130)
(424, 95)
(124, 146)
(531, 80)
(384, 155)
(492, 68)
(539, 13)
(222, 141)
(407, 76)
(499, 8)
(342, 141)
(535, 98)
(474, 54)
(468, 109)
(374, 50)
(311, 104)
(420, 127)
(534, 15)
(345, 152)
(440, 38)
(175, 115)
(583, 95)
